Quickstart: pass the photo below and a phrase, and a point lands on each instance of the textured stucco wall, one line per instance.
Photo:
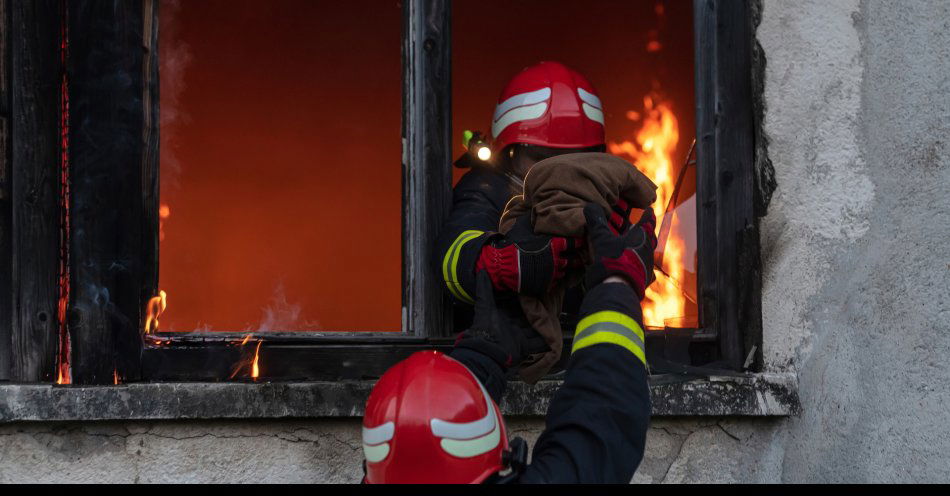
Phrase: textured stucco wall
(856, 291)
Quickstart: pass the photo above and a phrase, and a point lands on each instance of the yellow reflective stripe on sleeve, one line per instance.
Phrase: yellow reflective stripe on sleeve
(613, 328)
(450, 265)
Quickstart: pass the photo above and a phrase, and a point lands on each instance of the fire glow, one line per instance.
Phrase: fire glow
(652, 151)
(253, 365)
(153, 310)
(164, 211)
(63, 372)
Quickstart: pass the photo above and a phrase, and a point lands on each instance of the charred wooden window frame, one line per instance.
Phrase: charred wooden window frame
(112, 163)
(729, 267)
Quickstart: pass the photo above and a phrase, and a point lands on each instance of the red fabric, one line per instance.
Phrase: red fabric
(428, 385)
(558, 245)
(630, 265)
(564, 124)
(502, 266)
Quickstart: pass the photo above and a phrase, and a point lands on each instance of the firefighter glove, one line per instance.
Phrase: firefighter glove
(628, 254)
(528, 263)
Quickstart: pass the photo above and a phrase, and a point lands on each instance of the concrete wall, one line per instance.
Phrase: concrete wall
(856, 291)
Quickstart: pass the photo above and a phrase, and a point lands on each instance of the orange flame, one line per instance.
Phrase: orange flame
(62, 378)
(156, 305)
(64, 374)
(164, 211)
(653, 154)
(255, 367)
(115, 376)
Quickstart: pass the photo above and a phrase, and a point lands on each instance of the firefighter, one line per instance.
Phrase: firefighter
(546, 110)
(435, 418)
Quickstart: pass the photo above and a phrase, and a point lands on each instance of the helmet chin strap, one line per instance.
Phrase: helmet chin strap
(517, 181)
(515, 459)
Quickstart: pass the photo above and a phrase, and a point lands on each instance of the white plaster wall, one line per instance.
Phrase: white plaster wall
(856, 291)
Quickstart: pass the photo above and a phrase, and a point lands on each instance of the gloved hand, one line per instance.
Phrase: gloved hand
(498, 332)
(619, 217)
(628, 255)
(528, 263)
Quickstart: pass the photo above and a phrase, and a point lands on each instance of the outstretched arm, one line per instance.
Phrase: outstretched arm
(597, 422)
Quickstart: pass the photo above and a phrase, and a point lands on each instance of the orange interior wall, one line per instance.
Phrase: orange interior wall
(280, 165)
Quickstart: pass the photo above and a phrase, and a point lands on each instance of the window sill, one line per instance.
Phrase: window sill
(759, 395)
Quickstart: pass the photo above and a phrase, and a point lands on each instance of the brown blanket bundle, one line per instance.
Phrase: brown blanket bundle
(555, 192)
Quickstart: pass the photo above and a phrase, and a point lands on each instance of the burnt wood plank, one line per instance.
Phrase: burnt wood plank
(735, 175)
(728, 230)
(427, 174)
(34, 37)
(218, 357)
(704, 18)
(6, 221)
(276, 362)
(107, 242)
(150, 169)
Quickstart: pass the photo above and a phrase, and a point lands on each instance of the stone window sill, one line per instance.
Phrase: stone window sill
(757, 395)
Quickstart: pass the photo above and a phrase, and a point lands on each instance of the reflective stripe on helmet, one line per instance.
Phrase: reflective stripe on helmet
(468, 439)
(593, 109)
(517, 115)
(450, 265)
(376, 441)
(467, 448)
(520, 100)
(593, 113)
(377, 453)
(589, 98)
(379, 434)
(610, 327)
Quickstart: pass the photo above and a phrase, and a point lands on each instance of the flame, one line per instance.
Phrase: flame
(164, 211)
(255, 368)
(652, 152)
(63, 355)
(62, 377)
(253, 365)
(153, 310)
(115, 376)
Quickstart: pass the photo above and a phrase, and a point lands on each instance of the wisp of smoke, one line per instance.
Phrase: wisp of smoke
(174, 59)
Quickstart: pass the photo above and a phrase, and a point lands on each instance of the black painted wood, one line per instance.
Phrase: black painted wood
(107, 133)
(6, 219)
(708, 259)
(34, 37)
(427, 169)
(150, 156)
(728, 230)
(283, 362)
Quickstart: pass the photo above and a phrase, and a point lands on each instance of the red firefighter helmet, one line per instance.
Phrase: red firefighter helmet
(429, 420)
(550, 105)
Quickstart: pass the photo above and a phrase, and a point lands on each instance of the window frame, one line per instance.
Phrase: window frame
(105, 338)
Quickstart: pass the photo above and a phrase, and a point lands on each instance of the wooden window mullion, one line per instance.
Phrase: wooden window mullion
(107, 141)
(427, 174)
(35, 172)
(727, 229)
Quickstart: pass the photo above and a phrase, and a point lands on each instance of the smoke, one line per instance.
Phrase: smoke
(174, 59)
(281, 315)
